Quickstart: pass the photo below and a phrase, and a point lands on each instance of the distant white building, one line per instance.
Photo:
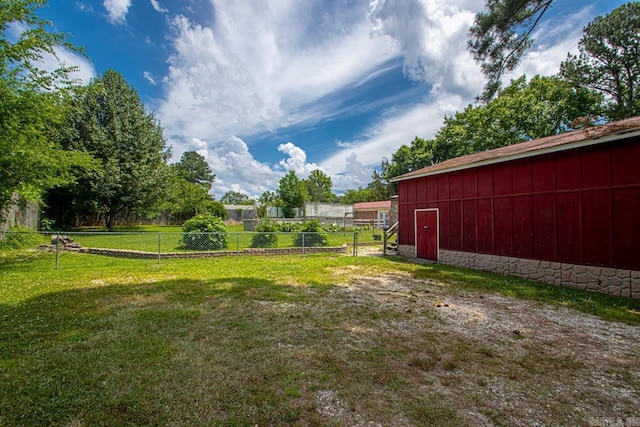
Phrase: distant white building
(315, 210)
(238, 213)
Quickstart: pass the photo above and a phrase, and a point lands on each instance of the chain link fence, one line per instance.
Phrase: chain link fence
(159, 246)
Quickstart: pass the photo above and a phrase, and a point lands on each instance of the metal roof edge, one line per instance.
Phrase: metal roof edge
(524, 155)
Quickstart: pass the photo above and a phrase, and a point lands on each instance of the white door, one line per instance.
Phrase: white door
(382, 219)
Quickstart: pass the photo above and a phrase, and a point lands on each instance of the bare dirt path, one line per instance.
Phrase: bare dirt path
(497, 360)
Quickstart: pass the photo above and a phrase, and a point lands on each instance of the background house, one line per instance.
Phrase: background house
(564, 209)
(317, 210)
(375, 212)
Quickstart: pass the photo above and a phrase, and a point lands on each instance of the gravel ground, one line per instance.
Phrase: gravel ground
(500, 360)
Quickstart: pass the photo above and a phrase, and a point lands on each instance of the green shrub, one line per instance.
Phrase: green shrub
(216, 208)
(47, 224)
(204, 232)
(311, 234)
(336, 228)
(266, 236)
(289, 227)
(18, 237)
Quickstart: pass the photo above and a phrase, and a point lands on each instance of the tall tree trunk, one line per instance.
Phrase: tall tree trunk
(109, 221)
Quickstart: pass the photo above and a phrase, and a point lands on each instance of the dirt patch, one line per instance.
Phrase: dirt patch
(498, 360)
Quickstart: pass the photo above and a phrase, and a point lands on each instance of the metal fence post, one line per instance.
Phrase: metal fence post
(237, 245)
(57, 248)
(303, 243)
(384, 243)
(355, 243)
(159, 246)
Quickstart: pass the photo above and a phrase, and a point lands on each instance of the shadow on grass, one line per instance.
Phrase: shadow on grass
(140, 354)
(17, 259)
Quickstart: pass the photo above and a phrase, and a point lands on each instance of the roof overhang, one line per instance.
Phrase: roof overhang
(534, 153)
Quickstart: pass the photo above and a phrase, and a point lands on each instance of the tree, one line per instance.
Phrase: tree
(189, 185)
(193, 168)
(380, 188)
(408, 158)
(236, 198)
(185, 199)
(609, 60)
(110, 122)
(501, 36)
(356, 196)
(293, 194)
(190, 182)
(319, 187)
(523, 111)
(33, 104)
(268, 198)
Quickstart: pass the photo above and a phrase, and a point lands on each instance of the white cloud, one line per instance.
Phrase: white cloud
(235, 167)
(147, 75)
(553, 40)
(398, 127)
(432, 35)
(355, 175)
(157, 7)
(448, 70)
(117, 10)
(265, 66)
(237, 170)
(84, 7)
(297, 160)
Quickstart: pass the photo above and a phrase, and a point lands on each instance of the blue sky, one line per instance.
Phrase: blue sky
(262, 87)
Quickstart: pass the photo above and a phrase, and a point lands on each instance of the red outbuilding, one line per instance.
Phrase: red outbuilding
(564, 209)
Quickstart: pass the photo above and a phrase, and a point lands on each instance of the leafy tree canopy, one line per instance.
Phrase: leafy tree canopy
(187, 193)
(269, 198)
(356, 196)
(194, 168)
(33, 104)
(185, 199)
(407, 158)
(18, 58)
(523, 111)
(380, 188)
(609, 60)
(319, 187)
(110, 122)
(236, 198)
(293, 193)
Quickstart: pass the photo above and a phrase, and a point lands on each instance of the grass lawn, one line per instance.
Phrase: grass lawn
(319, 340)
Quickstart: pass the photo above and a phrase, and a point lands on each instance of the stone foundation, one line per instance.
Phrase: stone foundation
(612, 281)
(407, 251)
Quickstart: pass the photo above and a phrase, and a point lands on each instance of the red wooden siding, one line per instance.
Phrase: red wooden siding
(579, 206)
